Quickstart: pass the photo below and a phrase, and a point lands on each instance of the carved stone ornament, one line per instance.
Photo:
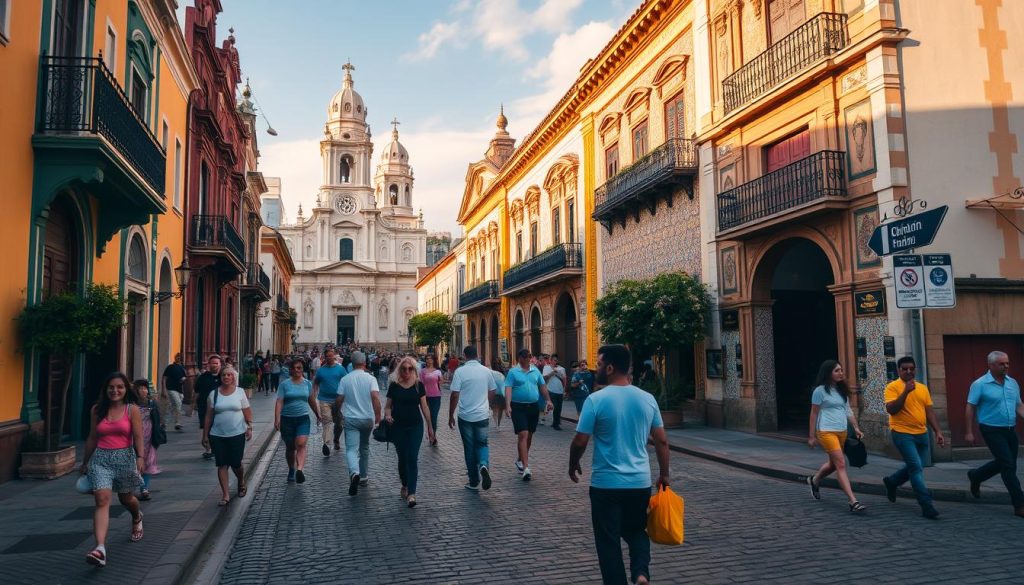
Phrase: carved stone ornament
(347, 299)
(346, 204)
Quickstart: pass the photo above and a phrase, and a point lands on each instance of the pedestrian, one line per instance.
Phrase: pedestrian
(405, 411)
(472, 389)
(228, 425)
(555, 379)
(359, 403)
(524, 386)
(830, 416)
(275, 372)
(150, 415)
(173, 385)
(453, 364)
(541, 363)
(581, 385)
(431, 378)
(909, 404)
(206, 383)
(265, 376)
(291, 416)
(111, 462)
(325, 387)
(621, 418)
(498, 400)
(995, 397)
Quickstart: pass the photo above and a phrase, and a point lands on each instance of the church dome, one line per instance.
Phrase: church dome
(347, 104)
(394, 153)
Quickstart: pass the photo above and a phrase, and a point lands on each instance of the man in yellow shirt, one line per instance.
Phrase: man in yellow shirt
(909, 405)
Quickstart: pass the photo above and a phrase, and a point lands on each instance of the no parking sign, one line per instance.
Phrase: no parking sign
(924, 281)
(909, 276)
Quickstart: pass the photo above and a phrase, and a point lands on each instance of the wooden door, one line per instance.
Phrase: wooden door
(60, 275)
(787, 151)
(675, 125)
(784, 17)
(965, 359)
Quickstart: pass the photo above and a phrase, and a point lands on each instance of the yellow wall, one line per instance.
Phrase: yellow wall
(19, 60)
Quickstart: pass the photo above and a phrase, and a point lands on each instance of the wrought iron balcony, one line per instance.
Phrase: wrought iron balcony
(256, 283)
(282, 304)
(558, 260)
(479, 296)
(214, 235)
(660, 171)
(79, 95)
(819, 37)
(816, 177)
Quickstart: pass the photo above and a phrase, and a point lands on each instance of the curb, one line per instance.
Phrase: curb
(942, 493)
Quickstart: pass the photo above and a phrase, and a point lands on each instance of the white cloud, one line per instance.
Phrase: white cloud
(298, 164)
(432, 40)
(555, 15)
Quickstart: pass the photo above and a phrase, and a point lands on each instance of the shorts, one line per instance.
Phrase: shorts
(525, 416)
(115, 470)
(228, 451)
(294, 426)
(832, 440)
(498, 401)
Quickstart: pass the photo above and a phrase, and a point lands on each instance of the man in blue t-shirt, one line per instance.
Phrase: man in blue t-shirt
(524, 386)
(325, 387)
(621, 417)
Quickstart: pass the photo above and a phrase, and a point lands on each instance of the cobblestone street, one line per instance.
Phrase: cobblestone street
(740, 527)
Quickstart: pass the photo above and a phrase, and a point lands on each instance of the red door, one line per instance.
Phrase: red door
(965, 360)
(787, 151)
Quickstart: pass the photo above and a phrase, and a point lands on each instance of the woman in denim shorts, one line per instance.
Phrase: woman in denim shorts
(295, 400)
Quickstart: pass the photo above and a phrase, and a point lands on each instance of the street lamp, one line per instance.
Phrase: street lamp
(182, 274)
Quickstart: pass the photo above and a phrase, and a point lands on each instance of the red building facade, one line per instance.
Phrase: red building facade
(214, 185)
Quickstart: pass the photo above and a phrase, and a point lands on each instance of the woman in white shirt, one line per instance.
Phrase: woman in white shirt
(830, 416)
(227, 427)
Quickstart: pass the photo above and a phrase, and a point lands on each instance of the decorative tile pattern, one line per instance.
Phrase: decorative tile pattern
(764, 341)
(731, 384)
(873, 330)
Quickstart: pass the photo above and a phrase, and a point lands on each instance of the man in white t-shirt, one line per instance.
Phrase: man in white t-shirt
(472, 390)
(359, 403)
(554, 377)
(620, 417)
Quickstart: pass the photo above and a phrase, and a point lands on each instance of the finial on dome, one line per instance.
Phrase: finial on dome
(231, 35)
(502, 120)
(247, 91)
(394, 131)
(349, 68)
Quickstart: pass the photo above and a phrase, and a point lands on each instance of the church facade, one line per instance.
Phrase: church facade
(357, 252)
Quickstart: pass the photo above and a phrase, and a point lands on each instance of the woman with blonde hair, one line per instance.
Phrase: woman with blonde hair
(227, 427)
(407, 412)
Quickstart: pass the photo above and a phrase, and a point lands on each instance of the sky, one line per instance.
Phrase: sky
(442, 67)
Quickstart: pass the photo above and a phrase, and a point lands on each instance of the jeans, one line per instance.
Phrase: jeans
(174, 406)
(474, 447)
(579, 398)
(357, 445)
(556, 413)
(407, 441)
(275, 380)
(620, 514)
(1003, 443)
(914, 449)
(434, 404)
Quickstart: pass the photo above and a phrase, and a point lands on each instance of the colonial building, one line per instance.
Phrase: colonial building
(95, 164)
(276, 317)
(357, 253)
(438, 289)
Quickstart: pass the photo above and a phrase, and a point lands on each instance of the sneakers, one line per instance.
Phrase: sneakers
(975, 486)
(208, 455)
(337, 446)
(300, 477)
(353, 484)
(929, 512)
(412, 501)
(890, 489)
(291, 476)
(326, 450)
(485, 477)
(527, 476)
(364, 482)
(177, 427)
(472, 487)
(519, 466)
(815, 489)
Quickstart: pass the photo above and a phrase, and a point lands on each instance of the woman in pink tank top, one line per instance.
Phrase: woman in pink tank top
(114, 459)
(431, 378)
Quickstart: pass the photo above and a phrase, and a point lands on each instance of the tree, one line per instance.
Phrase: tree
(652, 316)
(64, 326)
(431, 328)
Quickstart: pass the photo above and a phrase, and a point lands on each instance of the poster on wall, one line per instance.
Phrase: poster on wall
(860, 140)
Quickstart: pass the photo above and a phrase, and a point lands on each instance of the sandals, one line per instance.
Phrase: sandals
(242, 490)
(857, 508)
(97, 558)
(223, 502)
(815, 489)
(145, 496)
(137, 528)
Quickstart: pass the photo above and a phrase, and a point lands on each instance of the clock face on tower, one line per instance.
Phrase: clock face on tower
(345, 204)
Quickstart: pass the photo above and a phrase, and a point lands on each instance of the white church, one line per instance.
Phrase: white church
(357, 252)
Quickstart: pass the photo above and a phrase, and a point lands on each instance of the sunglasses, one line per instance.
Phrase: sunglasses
(407, 369)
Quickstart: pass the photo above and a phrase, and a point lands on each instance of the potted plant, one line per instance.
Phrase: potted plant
(62, 327)
(248, 381)
(652, 316)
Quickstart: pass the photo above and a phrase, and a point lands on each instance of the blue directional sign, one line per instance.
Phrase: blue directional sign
(907, 233)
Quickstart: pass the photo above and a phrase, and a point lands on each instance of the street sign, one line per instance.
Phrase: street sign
(908, 274)
(910, 232)
(938, 281)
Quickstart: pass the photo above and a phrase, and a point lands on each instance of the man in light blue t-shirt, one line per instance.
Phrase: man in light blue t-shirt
(621, 417)
(325, 386)
(524, 387)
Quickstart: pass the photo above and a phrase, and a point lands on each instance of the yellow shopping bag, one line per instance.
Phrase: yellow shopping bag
(665, 517)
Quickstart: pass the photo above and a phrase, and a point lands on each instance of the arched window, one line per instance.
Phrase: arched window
(346, 249)
(535, 326)
(345, 172)
(408, 196)
(393, 194)
(137, 259)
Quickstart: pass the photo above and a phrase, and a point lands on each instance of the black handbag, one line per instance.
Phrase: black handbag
(382, 433)
(159, 433)
(856, 452)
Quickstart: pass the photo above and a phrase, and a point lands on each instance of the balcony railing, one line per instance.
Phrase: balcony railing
(818, 176)
(256, 278)
(479, 295)
(215, 231)
(281, 305)
(80, 95)
(663, 165)
(551, 261)
(819, 37)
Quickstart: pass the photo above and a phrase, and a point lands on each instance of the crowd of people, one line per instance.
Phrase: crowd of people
(340, 387)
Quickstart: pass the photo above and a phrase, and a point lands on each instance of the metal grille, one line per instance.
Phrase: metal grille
(549, 261)
(485, 291)
(676, 156)
(215, 231)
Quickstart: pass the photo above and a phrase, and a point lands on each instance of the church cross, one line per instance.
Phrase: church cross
(395, 123)
(349, 66)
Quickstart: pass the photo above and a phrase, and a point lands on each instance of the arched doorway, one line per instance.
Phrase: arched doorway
(566, 329)
(482, 348)
(163, 339)
(520, 328)
(494, 340)
(797, 274)
(535, 331)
